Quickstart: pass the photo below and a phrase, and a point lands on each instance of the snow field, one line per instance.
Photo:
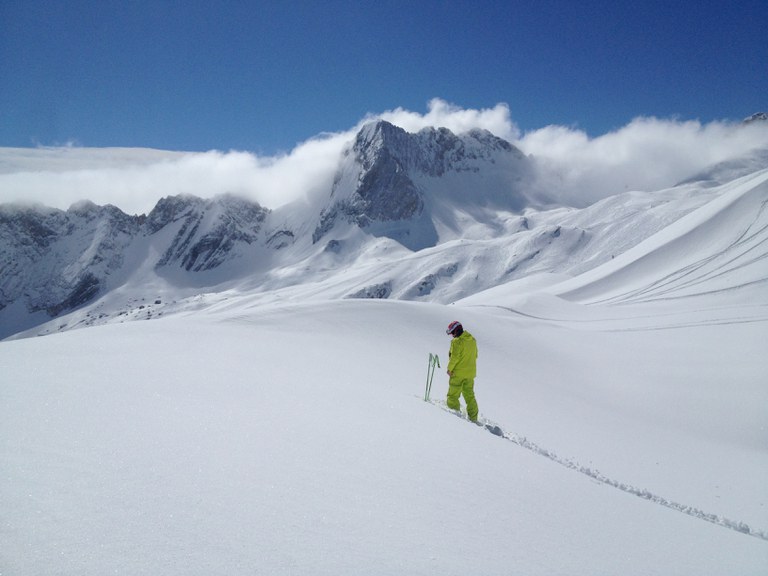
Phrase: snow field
(279, 429)
(295, 440)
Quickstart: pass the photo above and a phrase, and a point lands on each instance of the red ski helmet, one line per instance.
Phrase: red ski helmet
(453, 326)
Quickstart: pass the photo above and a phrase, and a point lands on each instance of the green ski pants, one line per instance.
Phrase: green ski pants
(465, 387)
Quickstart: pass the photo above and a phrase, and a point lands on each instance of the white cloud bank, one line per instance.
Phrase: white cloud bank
(646, 154)
(135, 179)
(575, 169)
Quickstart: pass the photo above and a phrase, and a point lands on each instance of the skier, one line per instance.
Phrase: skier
(462, 368)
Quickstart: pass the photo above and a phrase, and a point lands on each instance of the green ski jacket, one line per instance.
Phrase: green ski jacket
(462, 363)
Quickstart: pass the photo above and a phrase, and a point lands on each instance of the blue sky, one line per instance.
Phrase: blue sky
(265, 76)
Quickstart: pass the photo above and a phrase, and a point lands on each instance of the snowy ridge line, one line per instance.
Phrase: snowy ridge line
(597, 476)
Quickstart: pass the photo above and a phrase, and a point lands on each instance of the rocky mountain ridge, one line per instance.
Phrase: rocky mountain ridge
(427, 216)
(54, 260)
(208, 230)
(388, 177)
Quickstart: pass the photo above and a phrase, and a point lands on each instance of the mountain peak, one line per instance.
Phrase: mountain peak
(380, 129)
(389, 176)
(208, 230)
(170, 208)
(757, 117)
(432, 151)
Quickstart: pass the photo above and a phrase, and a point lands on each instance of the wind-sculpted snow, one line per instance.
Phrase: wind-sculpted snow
(244, 437)
(722, 246)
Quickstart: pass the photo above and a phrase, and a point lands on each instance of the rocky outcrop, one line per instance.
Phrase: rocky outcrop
(55, 261)
(381, 178)
(208, 230)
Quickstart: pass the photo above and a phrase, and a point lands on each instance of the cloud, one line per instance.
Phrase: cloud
(646, 154)
(441, 114)
(135, 179)
(572, 168)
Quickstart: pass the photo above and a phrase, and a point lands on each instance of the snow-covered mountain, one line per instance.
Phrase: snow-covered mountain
(404, 186)
(430, 216)
(389, 183)
(204, 232)
(54, 261)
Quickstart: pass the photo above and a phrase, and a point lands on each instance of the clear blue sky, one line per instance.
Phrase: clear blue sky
(263, 76)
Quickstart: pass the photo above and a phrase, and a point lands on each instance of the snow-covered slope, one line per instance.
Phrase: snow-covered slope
(294, 439)
(273, 422)
(722, 246)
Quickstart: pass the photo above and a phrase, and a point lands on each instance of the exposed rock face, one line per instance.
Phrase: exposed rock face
(387, 184)
(209, 229)
(758, 117)
(59, 260)
(55, 261)
(380, 180)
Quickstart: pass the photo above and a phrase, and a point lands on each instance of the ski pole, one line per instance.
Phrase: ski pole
(429, 379)
(433, 360)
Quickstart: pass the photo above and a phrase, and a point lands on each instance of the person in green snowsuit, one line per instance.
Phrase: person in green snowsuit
(462, 369)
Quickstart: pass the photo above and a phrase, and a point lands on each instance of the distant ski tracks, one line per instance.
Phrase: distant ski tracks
(597, 476)
(663, 321)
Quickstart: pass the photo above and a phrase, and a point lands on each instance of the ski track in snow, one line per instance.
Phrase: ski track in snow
(745, 254)
(597, 476)
(740, 254)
